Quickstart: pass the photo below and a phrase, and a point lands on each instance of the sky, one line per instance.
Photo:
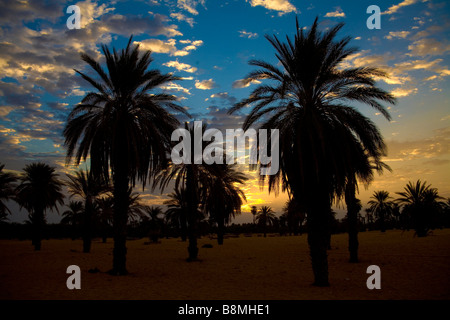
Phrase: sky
(209, 43)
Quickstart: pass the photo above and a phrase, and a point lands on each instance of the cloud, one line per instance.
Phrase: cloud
(244, 83)
(225, 97)
(180, 66)
(158, 46)
(205, 84)
(175, 87)
(397, 34)
(190, 5)
(246, 34)
(428, 46)
(91, 11)
(182, 17)
(283, 6)
(335, 14)
(401, 92)
(395, 8)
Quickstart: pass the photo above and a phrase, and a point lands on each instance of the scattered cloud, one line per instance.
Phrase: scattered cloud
(428, 46)
(205, 84)
(180, 66)
(182, 17)
(158, 46)
(397, 34)
(401, 92)
(175, 87)
(338, 13)
(246, 34)
(396, 7)
(282, 6)
(190, 5)
(243, 83)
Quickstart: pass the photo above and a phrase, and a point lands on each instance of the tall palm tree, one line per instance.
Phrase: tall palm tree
(87, 187)
(420, 202)
(176, 214)
(125, 128)
(105, 207)
(225, 198)
(7, 192)
(196, 179)
(39, 190)
(381, 206)
(266, 216)
(308, 102)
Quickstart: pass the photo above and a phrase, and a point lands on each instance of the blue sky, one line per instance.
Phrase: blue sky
(209, 44)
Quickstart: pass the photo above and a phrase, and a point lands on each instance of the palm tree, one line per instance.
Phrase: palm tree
(123, 127)
(176, 214)
(225, 198)
(155, 222)
(381, 207)
(295, 215)
(266, 216)
(420, 202)
(39, 190)
(7, 192)
(87, 187)
(105, 207)
(307, 101)
(196, 179)
(73, 215)
(254, 211)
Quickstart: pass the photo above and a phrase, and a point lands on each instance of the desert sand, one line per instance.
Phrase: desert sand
(275, 268)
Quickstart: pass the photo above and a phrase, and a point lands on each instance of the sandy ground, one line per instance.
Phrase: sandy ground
(276, 268)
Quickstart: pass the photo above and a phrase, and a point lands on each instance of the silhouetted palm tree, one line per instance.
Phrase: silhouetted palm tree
(176, 214)
(155, 222)
(266, 216)
(7, 191)
(420, 202)
(225, 198)
(307, 101)
(295, 215)
(381, 207)
(254, 211)
(196, 178)
(74, 214)
(88, 187)
(39, 190)
(123, 127)
(105, 207)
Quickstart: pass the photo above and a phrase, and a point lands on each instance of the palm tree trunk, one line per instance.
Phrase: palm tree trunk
(87, 222)
(220, 230)
(352, 219)
(191, 183)
(37, 223)
(318, 230)
(183, 226)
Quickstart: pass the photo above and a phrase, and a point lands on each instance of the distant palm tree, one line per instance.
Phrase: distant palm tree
(420, 202)
(88, 187)
(266, 216)
(381, 206)
(176, 214)
(7, 191)
(39, 190)
(155, 222)
(105, 207)
(74, 214)
(123, 127)
(225, 198)
(295, 215)
(196, 179)
(254, 211)
(307, 101)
